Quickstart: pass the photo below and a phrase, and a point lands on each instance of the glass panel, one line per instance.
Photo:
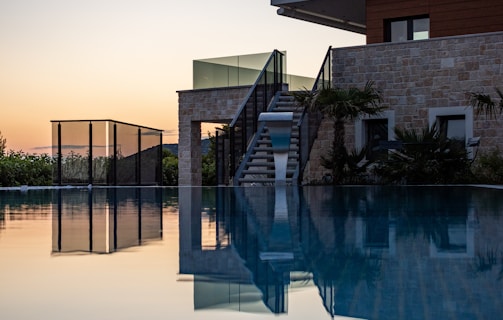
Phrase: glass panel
(149, 162)
(212, 75)
(398, 31)
(377, 130)
(297, 83)
(100, 152)
(55, 146)
(421, 29)
(456, 129)
(228, 71)
(453, 127)
(75, 152)
(111, 150)
(127, 153)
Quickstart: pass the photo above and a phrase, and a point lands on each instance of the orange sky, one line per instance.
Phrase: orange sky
(125, 59)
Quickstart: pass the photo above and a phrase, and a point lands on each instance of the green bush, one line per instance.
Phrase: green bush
(169, 168)
(19, 168)
(489, 167)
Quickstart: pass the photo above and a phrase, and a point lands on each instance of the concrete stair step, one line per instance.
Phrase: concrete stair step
(260, 180)
(271, 157)
(265, 171)
(269, 164)
(269, 149)
(268, 141)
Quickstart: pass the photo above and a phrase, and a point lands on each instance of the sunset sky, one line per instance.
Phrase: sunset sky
(125, 59)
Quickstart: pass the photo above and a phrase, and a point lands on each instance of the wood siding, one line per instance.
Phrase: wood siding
(447, 17)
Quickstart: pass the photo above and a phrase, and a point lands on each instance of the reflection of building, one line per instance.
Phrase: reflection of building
(254, 267)
(106, 152)
(372, 252)
(105, 220)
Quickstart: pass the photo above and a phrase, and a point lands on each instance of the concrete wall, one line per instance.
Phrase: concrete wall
(195, 106)
(417, 76)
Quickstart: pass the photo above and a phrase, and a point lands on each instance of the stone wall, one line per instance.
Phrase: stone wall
(217, 105)
(416, 76)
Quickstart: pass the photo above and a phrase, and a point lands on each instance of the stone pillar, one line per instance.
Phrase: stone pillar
(189, 153)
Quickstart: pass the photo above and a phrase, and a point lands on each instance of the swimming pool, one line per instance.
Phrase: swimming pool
(224, 253)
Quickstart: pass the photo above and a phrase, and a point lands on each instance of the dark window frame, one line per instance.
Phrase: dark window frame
(373, 126)
(410, 26)
(443, 126)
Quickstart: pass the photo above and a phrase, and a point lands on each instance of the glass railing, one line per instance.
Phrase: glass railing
(231, 71)
(241, 70)
(324, 78)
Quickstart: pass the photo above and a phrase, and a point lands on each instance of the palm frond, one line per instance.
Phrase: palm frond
(500, 94)
(484, 104)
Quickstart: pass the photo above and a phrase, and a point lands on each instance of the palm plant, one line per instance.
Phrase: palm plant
(426, 157)
(484, 104)
(342, 105)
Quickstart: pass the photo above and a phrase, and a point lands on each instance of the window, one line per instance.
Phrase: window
(455, 123)
(376, 131)
(404, 29)
(371, 130)
(453, 128)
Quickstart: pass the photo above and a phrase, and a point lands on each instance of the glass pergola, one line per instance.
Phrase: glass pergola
(105, 152)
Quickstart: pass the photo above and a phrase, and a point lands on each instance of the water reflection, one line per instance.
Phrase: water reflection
(372, 252)
(105, 220)
(366, 252)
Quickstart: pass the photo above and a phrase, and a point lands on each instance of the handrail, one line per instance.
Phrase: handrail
(309, 122)
(253, 87)
(244, 124)
(325, 73)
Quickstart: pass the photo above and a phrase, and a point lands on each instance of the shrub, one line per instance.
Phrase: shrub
(489, 167)
(19, 168)
(426, 158)
(169, 168)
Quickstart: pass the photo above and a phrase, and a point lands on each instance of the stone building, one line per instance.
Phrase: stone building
(424, 56)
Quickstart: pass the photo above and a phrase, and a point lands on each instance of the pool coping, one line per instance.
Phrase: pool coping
(24, 188)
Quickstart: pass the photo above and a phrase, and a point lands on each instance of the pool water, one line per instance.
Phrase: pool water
(317, 252)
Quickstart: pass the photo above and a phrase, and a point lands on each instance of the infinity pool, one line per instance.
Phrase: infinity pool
(252, 253)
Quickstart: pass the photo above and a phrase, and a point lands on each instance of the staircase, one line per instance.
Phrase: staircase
(257, 168)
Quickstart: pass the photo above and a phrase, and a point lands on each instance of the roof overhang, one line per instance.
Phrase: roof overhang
(347, 15)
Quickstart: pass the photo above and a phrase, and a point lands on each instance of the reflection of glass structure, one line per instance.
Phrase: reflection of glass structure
(106, 152)
(105, 220)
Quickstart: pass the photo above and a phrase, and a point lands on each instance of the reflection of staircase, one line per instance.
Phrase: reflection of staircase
(257, 167)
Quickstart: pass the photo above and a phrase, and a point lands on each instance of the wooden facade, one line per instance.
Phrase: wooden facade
(447, 17)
